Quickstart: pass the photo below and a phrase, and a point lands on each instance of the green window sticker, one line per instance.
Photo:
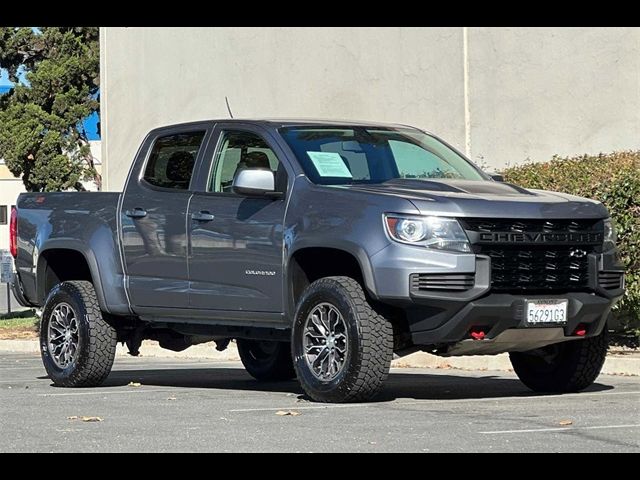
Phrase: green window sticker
(329, 164)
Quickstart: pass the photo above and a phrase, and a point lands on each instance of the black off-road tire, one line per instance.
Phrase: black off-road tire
(564, 367)
(96, 338)
(369, 344)
(267, 361)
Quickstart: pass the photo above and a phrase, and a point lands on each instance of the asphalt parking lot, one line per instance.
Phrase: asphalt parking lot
(197, 405)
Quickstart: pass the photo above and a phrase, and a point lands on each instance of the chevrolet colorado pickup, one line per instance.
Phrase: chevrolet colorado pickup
(323, 249)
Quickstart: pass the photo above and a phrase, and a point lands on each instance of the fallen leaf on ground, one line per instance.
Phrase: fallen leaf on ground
(92, 419)
(171, 398)
(72, 417)
(287, 413)
(564, 423)
(134, 384)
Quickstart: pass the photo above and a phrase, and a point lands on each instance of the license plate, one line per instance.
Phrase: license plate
(546, 311)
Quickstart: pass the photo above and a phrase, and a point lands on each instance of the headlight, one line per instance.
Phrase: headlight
(610, 236)
(432, 232)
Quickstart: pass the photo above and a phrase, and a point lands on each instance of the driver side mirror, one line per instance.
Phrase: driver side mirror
(496, 177)
(254, 183)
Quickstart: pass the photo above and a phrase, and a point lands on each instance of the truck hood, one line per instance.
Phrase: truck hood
(467, 198)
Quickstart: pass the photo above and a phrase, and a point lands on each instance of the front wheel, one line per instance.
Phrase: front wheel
(562, 367)
(77, 345)
(342, 348)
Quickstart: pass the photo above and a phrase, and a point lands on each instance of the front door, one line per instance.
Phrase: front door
(153, 219)
(236, 242)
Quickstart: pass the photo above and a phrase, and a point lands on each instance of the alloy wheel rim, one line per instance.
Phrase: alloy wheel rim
(325, 342)
(62, 335)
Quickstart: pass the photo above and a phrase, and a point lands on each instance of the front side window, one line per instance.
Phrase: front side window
(172, 160)
(335, 155)
(240, 150)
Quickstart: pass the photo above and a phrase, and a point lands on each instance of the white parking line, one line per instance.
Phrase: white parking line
(444, 401)
(294, 407)
(18, 382)
(559, 429)
(110, 392)
(36, 367)
(522, 397)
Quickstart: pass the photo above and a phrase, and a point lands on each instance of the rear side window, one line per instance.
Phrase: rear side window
(172, 160)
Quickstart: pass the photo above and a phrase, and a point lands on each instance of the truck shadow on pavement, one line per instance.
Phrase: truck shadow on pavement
(419, 386)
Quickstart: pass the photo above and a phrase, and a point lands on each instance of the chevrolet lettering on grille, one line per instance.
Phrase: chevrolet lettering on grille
(541, 237)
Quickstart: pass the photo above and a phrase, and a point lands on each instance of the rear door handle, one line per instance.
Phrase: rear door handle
(203, 216)
(136, 213)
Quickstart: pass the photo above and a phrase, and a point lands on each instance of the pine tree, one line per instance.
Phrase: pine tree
(42, 138)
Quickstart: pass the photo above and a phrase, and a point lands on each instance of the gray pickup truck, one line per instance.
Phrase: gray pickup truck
(323, 249)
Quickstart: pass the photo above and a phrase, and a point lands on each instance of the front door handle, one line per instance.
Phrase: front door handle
(136, 213)
(203, 216)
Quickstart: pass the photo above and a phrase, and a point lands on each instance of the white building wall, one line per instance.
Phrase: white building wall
(502, 94)
(156, 76)
(536, 92)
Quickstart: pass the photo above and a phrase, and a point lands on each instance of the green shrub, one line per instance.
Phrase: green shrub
(613, 179)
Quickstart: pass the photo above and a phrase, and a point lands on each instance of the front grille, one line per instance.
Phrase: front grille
(421, 282)
(536, 269)
(525, 258)
(610, 280)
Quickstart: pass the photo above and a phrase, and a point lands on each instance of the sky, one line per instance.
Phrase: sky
(4, 79)
(90, 123)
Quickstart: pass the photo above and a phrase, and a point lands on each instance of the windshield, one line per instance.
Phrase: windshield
(335, 155)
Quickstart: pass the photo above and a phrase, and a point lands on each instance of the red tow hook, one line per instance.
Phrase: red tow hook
(581, 330)
(477, 334)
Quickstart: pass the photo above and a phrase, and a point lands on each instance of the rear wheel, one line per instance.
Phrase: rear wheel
(77, 345)
(342, 348)
(563, 367)
(266, 360)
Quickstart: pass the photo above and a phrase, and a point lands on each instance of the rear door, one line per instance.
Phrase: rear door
(153, 217)
(236, 242)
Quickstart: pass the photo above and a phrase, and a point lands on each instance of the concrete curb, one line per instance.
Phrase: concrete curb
(204, 350)
(614, 364)
(148, 349)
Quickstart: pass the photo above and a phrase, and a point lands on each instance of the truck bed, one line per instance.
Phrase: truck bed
(83, 220)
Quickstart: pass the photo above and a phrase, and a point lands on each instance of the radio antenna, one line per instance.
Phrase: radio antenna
(228, 107)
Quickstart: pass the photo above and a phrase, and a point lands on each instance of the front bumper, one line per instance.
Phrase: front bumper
(443, 319)
(494, 314)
